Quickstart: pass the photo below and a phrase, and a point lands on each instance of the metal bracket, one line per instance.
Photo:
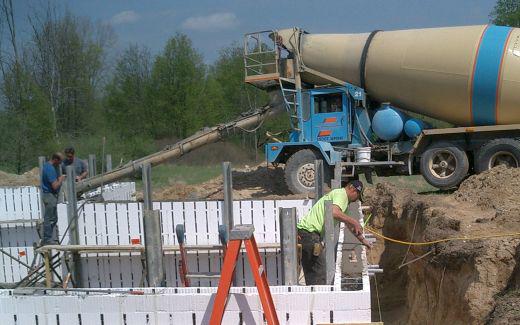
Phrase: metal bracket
(241, 232)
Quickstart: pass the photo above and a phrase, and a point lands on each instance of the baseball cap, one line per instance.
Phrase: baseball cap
(358, 185)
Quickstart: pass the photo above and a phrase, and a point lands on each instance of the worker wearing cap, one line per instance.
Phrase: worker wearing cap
(311, 228)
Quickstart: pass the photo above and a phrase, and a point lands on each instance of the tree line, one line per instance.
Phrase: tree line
(60, 88)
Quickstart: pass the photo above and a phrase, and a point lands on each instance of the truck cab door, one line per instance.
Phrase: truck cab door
(330, 110)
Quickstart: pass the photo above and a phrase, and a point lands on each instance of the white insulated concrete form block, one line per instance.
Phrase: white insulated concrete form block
(167, 307)
(120, 224)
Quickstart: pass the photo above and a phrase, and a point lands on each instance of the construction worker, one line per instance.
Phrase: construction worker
(50, 186)
(80, 167)
(311, 228)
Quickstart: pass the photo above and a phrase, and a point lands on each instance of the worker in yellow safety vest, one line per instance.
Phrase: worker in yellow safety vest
(311, 228)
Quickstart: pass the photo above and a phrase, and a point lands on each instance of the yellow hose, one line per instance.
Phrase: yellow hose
(373, 231)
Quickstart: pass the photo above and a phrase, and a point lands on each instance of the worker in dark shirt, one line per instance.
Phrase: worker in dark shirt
(50, 186)
(80, 167)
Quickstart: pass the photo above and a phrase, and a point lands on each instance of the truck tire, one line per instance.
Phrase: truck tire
(299, 171)
(444, 165)
(497, 152)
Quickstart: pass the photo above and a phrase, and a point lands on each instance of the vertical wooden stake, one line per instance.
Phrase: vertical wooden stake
(147, 186)
(72, 216)
(153, 248)
(318, 179)
(48, 273)
(91, 165)
(109, 162)
(228, 196)
(288, 239)
(330, 243)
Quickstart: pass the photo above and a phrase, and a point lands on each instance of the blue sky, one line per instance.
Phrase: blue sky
(213, 25)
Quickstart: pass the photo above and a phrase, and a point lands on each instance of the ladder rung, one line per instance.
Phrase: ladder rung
(289, 90)
(204, 275)
(287, 79)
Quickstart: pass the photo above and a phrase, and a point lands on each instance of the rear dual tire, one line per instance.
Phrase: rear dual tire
(498, 152)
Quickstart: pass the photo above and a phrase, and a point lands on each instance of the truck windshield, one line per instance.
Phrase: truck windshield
(328, 103)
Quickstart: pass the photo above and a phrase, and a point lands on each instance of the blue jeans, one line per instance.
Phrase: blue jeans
(50, 216)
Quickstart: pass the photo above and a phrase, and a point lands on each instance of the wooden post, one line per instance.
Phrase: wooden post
(227, 216)
(91, 165)
(41, 161)
(48, 273)
(63, 189)
(147, 186)
(288, 239)
(318, 179)
(109, 163)
(228, 196)
(336, 182)
(153, 248)
(152, 233)
(330, 243)
(72, 216)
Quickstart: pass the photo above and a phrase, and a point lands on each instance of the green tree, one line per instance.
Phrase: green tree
(228, 71)
(506, 13)
(24, 113)
(127, 94)
(68, 63)
(25, 123)
(178, 77)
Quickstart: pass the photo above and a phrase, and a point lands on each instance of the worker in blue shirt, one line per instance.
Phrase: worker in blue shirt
(50, 186)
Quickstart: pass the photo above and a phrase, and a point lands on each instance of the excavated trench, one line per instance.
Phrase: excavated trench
(456, 282)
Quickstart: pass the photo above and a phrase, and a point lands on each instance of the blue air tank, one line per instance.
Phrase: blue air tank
(413, 127)
(388, 123)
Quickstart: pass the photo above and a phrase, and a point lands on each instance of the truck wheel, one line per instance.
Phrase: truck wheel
(299, 171)
(444, 165)
(498, 152)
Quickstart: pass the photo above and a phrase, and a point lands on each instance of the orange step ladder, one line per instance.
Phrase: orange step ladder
(239, 234)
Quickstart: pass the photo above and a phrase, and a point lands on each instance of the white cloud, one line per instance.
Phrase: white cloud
(223, 20)
(125, 17)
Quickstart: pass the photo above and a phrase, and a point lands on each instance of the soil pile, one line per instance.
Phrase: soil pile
(248, 183)
(496, 189)
(28, 178)
(456, 282)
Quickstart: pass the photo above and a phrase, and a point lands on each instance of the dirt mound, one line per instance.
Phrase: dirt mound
(28, 178)
(495, 189)
(258, 182)
(422, 284)
(507, 309)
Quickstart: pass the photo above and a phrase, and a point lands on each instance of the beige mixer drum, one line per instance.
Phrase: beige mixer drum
(466, 75)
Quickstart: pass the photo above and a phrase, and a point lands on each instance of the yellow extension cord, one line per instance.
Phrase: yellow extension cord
(373, 231)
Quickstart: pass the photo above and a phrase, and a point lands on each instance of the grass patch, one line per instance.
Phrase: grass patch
(416, 183)
(169, 174)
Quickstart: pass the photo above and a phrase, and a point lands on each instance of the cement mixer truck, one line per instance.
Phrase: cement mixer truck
(360, 102)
